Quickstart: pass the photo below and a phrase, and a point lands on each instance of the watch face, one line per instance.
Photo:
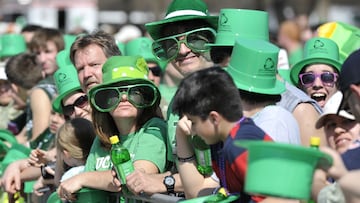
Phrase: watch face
(169, 181)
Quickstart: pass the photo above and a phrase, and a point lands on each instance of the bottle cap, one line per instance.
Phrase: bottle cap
(114, 139)
(314, 141)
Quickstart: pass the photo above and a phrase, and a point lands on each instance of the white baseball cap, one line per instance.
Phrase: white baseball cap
(331, 108)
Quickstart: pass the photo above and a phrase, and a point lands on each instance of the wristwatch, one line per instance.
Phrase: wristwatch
(169, 182)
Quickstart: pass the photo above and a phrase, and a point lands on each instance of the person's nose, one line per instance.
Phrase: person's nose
(41, 57)
(123, 96)
(183, 49)
(87, 72)
(339, 130)
(318, 82)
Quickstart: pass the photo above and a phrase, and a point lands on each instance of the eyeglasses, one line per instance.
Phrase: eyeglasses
(156, 70)
(327, 78)
(80, 102)
(168, 48)
(108, 98)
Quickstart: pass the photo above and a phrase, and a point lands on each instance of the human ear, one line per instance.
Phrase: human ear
(214, 117)
(356, 90)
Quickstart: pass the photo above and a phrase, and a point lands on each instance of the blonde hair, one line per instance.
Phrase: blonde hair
(291, 29)
(76, 137)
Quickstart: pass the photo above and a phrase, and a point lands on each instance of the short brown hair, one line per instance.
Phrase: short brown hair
(102, 39)
(44, 35)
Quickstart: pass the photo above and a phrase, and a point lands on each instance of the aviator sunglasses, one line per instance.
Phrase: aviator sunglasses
(167, 48)
(327, 78)
(108, 98)
(80, 102)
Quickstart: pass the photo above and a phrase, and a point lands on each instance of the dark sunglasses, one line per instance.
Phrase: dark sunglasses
(167, 48)
(108, 98)
(156, 70)
(80, 102)
(327, 78)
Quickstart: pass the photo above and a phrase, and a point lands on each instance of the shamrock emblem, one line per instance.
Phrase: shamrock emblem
(61, 77)
(223, 19)
(269, 64)
(318, 44)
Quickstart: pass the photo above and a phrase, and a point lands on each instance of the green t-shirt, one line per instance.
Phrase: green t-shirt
(149, 143)
(172, 120)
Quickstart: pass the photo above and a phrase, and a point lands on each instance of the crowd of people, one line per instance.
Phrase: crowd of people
(194, 74)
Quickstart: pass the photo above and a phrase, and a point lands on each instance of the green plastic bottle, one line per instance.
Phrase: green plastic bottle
(121, 159)
(314, 142)
(203, 155)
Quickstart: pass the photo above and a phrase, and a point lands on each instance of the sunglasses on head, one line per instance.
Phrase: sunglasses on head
(80, 102)
(327, 78)
(167, 48)
(156, 70)
(108, 98)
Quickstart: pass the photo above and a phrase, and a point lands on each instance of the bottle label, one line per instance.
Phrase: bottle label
(203, 159)
(123, 170)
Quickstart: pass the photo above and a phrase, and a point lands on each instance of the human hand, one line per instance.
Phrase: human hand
(338, 169)
(11, 178)
(141, 183)
(68, 188)
(183, 127)
(39, 187)
(37, 158)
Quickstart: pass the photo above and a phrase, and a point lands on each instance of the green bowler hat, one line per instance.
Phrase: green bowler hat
(132, 69)
(181, 10)
(66, 79)
(282, 170)
(142, 46)
(244, 23)
(253, 66)
(317, 50)
(12, 44)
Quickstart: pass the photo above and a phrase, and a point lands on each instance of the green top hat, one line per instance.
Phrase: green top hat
(235, 23)
(346, 36)
(142, 46)
(317, 50)
(181, 10)
(12, 44)
(132, 69)
(281, 170)
(253, 66)
(66, 79)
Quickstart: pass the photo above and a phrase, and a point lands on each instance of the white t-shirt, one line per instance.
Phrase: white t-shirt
(279, 124)
(71, 172)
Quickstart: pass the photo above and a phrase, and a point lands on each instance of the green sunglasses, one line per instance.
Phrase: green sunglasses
(141, 96)
(167, 48)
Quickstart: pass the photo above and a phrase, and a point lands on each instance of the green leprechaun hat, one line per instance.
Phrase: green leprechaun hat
(244, 23)
(66, 79)
(132, 69)
(182, 10)
(253, 66)
(317, 50)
